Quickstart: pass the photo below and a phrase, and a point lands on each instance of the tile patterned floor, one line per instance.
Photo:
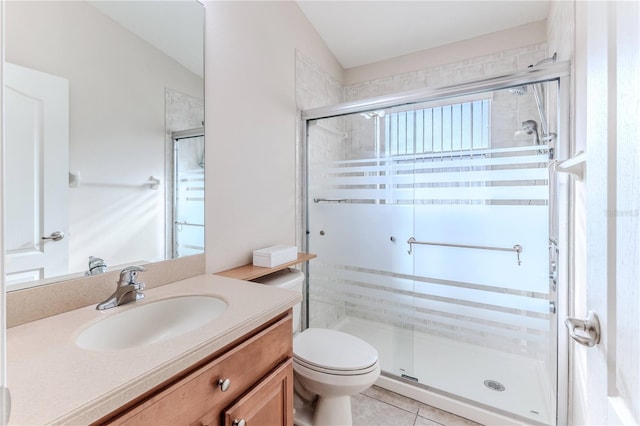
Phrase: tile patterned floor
(380, 407)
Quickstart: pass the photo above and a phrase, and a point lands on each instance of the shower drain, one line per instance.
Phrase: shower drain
(493, 385)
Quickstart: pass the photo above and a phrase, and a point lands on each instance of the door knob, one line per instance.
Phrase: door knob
(55, 236)
(224, 384)
(587, 331)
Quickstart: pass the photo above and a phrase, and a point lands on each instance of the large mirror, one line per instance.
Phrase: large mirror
(104, 135)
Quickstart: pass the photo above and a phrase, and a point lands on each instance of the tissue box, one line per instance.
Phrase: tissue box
(275, 255)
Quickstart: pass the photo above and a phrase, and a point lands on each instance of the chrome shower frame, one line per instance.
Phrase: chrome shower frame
(561, 229)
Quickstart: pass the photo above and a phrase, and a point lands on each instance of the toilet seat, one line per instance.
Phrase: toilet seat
(334, 352)
(300, 362)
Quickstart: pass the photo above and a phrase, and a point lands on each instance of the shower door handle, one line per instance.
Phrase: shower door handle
(587, 331)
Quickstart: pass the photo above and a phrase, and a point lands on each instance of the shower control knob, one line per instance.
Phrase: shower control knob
(224, 384)
(240, 422)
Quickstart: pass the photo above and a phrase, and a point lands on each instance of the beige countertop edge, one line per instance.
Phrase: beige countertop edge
(267, 304)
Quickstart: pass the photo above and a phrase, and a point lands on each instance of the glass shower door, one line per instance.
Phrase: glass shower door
(431, 224)
(359, 279)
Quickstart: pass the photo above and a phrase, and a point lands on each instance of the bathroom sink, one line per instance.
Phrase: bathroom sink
(151, 323)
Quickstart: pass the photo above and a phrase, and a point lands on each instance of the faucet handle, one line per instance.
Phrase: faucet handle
(128, 275)
(96, 266)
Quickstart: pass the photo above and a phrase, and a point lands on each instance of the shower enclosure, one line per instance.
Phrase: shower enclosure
(436, 223)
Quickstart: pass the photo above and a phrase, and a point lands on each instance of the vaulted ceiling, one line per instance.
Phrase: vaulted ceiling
(362, 32)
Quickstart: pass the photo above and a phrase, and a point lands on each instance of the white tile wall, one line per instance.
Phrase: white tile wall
(469, 69)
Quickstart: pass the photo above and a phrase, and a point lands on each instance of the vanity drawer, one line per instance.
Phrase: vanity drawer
(197, 399)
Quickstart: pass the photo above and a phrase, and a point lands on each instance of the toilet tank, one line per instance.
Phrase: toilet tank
(291, 279)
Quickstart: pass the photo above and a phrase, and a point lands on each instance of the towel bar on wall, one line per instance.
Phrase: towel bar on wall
(516, 248)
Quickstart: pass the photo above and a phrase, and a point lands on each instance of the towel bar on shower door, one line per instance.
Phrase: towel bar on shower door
(516, 248)
(330, 200)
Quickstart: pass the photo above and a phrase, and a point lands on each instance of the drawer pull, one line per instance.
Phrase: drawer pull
(240, 422)
(224, 385)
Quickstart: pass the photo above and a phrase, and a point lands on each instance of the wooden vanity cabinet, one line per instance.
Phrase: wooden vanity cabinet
(260, 387)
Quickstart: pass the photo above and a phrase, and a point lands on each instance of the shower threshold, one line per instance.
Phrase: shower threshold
(507, 382)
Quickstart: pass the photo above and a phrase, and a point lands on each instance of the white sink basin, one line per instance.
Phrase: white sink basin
(151, 323)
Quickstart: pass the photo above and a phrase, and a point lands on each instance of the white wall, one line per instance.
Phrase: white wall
(251, 120)
(4, 406)
(117, 123)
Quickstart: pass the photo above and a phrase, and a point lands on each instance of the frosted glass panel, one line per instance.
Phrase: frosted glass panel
(341, 231)
(503, 175)
(470, 209)
(484, 225)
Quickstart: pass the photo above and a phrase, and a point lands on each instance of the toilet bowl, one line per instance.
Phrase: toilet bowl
(329, 366)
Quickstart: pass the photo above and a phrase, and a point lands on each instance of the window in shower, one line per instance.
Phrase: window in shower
(453, 127)
(431, 226)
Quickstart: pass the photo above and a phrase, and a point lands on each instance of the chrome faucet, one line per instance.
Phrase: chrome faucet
(128, 290)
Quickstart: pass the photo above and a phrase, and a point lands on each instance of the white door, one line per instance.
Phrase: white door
(606, 387)
(36, 119)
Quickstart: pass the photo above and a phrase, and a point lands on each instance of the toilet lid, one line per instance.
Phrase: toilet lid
(333, 350)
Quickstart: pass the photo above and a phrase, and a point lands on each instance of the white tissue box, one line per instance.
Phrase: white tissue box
(274, 255)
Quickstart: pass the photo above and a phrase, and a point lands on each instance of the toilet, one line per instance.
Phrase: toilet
(329, 366)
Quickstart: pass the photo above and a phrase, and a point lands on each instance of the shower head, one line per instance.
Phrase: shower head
(518, 90)
(530, 127)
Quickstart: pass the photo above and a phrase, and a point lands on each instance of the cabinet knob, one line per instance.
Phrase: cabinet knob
(240, 422)
(224, 386)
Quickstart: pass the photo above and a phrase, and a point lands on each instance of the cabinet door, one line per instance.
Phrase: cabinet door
(270, 402)
(198, 399)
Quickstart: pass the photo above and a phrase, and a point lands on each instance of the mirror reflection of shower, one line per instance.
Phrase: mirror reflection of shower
(188, 192)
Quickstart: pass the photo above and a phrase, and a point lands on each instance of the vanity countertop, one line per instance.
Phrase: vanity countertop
(53, 381)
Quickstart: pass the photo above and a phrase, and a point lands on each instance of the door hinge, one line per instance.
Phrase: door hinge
(552, 307)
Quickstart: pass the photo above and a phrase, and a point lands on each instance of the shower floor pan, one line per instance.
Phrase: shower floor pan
(460, 369)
